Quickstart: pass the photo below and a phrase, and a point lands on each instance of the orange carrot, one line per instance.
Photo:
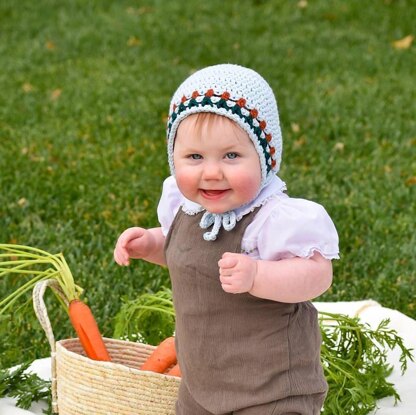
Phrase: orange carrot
(163, 357)
(87, 330)
(175, 371)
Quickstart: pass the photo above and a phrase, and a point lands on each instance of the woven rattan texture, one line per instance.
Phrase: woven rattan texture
(89, 387)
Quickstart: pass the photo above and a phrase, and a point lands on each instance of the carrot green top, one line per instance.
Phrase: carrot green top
(25, 260)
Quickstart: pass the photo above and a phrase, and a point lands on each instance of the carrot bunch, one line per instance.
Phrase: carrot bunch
(163, 359)
(24, 260)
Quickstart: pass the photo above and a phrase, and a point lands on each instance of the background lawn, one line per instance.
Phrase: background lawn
(84, 93)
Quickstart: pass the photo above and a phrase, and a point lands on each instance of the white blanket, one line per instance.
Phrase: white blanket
(369, 311)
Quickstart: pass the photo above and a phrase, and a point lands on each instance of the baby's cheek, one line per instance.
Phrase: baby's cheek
(249, 189)
(186, 182)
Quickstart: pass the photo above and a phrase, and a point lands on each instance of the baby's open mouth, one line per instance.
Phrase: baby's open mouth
(209, 193)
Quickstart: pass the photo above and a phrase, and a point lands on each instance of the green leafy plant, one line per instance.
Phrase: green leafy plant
(354, 358)
(25, 386)
(25, 261)
(149, 318)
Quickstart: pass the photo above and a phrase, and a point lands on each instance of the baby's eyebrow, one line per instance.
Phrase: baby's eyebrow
(233, 147)
(190, 149)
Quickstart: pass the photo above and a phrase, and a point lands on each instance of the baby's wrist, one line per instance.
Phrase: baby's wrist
(254, 273)
(151, 243)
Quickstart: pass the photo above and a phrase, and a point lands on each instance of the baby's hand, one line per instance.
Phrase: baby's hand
(133, 243)
(237, 272)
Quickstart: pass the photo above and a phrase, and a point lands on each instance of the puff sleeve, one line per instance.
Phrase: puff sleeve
(290, 227)
(170, 201)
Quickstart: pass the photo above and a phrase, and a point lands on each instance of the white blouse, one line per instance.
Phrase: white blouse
(284, 227)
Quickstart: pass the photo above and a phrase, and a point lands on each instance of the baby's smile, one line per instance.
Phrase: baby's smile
(213, 193)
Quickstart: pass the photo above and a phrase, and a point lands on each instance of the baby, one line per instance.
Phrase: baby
(244, 258)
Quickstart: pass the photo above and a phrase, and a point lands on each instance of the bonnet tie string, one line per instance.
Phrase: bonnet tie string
(227, 220)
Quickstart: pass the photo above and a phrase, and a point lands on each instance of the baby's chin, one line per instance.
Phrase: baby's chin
(219, 211)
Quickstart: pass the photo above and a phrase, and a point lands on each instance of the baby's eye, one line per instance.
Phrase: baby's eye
(195, 156)
(231, 156)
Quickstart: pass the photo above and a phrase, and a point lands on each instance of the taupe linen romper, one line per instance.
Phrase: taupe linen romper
(236, 350)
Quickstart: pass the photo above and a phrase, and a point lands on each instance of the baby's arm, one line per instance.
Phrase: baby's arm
(290, 280)
(139, 243)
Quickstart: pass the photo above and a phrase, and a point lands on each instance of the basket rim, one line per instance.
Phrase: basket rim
(60, 348)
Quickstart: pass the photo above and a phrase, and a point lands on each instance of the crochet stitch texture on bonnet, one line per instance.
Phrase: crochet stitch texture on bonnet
(240, 94)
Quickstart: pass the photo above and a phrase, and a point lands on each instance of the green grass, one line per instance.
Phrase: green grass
(85, 89)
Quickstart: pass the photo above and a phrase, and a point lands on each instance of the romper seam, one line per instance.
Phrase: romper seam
(289, 377)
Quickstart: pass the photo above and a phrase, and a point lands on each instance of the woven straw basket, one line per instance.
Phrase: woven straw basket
(81, 386)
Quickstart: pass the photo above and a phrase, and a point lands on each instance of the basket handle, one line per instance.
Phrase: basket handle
(42, 315)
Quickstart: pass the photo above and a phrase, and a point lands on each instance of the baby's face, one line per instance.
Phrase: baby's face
(216, 164)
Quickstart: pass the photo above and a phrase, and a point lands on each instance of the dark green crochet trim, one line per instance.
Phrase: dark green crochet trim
(236, 109)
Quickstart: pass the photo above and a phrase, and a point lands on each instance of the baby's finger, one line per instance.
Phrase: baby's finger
(128, 235)
(228, 262)
(226, 279)
(123, 240)
(121, 256)
(116, 257)
(229, 288)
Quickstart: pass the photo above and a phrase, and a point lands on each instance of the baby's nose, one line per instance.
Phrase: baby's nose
(212, 171)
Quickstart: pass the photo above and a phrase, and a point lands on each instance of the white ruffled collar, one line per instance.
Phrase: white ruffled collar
(275, 187)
